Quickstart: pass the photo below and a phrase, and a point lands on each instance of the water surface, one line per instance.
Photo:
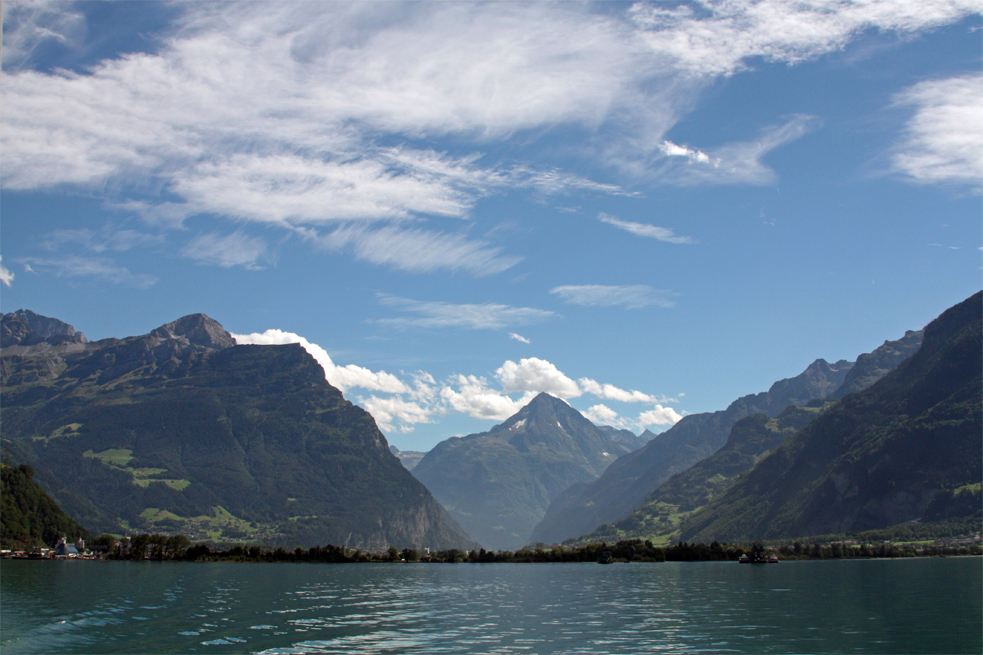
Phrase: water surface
(870, 606)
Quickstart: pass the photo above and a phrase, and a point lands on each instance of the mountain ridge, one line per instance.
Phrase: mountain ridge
(183, 430)
(904, 449)
(622, 488)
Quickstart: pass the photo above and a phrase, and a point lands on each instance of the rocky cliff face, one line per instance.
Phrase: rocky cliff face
(183, 430)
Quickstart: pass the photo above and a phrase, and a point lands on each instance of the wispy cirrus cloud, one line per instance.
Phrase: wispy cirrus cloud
(29, 25)
(633, 296)
(227, 251)
(643, 230)
(96, 268)
(942, 142)
(304, 115)
(107, 239)
(437, 314)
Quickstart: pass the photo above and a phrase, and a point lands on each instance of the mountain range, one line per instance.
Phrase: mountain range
(582, 508)
(497, 484)
(905, 449)
(183, 430)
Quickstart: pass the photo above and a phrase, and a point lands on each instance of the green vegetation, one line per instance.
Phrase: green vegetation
(28, 516)
(183, 421)
(661, 515)
(906, 449)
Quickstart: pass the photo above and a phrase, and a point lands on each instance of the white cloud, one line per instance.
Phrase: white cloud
(715, 37)
(99, 268)
(399, 405)
(486, 316)
(612, 392)
(107, 239)
(472, 396)
(943, 141)
(287, 113)
(536, 375)
(416, 250)
(6, 277)
(659, 415)
(395, 413)
(236, 249)
(519, 338)
(630, 296)
(670, 149)
(342, 377)
(29, 24)
(734, 163)
(642, 230)
(601, 414)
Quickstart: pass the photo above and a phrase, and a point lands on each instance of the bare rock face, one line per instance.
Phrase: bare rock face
(25, 328)
(198, 330)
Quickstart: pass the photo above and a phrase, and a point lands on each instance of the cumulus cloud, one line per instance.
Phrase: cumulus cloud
(659, 415)
(436, 314)
(342, 377)
(612, 392)
(536, 375)
(227, 251)
(6, 277)
(396, 414)
(630, 296)
(403, 402)
(642, 230)
(601, 414)
(943, 141)
(519, 338)
(472, 395)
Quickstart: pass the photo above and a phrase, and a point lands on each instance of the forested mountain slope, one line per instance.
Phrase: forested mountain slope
(905, 449)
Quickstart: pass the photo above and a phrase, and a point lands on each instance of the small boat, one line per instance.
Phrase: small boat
(606, 558)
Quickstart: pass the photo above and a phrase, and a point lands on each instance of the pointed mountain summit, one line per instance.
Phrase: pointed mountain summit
(183, 430)
(197, 330)
(623, 487)
(497, 484)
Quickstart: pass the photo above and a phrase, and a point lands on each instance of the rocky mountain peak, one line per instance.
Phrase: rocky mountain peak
(25, 328)
(198, 330)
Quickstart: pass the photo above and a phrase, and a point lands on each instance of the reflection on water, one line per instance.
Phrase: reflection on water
(911, 606)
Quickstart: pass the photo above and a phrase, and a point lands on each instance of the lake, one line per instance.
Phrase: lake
(930, 605)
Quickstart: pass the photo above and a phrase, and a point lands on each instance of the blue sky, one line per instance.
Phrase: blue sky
(648, 209)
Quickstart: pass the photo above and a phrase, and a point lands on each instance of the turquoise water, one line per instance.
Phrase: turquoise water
(871, 606)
